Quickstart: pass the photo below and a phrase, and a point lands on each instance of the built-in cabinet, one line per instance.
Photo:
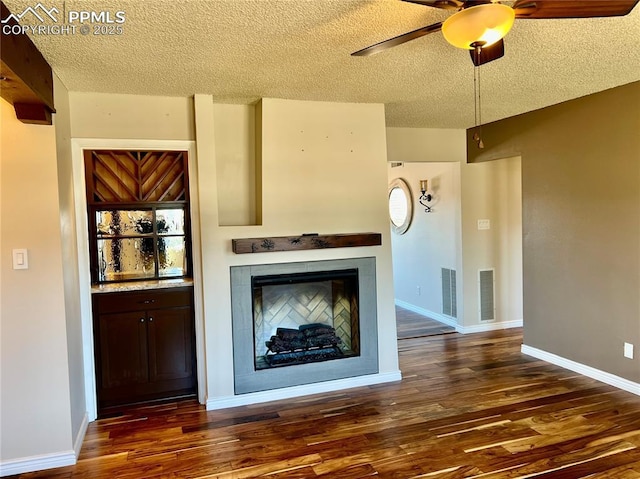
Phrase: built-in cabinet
(144, 346)
(139, 232)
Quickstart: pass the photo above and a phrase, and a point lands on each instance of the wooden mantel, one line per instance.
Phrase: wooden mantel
(304, 242)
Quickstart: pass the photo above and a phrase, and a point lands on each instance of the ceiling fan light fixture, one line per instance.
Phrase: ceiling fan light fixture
(483, 24)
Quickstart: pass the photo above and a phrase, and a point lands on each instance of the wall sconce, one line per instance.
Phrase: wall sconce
(425, 197)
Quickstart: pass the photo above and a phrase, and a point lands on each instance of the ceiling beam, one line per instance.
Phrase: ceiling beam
(26, 77)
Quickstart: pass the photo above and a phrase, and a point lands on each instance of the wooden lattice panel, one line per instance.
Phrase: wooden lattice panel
(120, 176)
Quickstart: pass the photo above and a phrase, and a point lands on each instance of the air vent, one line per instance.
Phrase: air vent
(449, 307)
(486, 285)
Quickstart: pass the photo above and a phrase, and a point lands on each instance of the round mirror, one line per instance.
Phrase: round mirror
(400, 206)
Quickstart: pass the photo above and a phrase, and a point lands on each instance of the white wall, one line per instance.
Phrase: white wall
(424, 150)
(431, 242)
(35, 400)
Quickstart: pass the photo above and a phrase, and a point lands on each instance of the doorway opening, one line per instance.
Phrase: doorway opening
(474, 213)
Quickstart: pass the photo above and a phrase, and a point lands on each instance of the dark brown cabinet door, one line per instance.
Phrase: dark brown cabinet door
(145, 347)
(170, 333)
(123, 349)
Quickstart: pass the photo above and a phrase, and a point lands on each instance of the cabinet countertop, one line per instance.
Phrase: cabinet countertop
(141, 285)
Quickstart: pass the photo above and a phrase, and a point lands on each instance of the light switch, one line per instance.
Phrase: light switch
(20, 259)
(484, 224)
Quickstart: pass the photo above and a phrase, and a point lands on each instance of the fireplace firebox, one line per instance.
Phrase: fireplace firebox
(305, 317)
(301, 323)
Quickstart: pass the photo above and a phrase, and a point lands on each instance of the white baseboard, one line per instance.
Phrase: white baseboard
(449, 321)
(493, 326)
(303, 390)
(37, 463)
(77, 444)
(583, 369)
(441, 318)
(47, 461)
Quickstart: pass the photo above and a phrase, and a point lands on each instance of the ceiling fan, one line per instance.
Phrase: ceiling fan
(480, 25)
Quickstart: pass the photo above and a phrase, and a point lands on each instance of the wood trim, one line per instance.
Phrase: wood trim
(28, 78)
(304, 242)
(33, 113)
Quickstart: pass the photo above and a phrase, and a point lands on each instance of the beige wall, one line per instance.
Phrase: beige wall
(70, 259)
(315, 158)
(108, 115)
(492, 191)
(323, 167)
(236, 159)
(35, 400)
(581, 220)
(425, 144)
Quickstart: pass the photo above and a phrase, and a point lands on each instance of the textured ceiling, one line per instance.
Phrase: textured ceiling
(242, 50)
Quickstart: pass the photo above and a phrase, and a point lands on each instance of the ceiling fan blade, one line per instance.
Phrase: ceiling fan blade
(487, 54)
(572, 8)
(399, 40)
(444, 4)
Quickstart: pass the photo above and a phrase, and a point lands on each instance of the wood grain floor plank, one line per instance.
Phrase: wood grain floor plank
(590, 466)
(363, 457)
(414, 325)
(240, 470)
(469, 406)
(622, 472)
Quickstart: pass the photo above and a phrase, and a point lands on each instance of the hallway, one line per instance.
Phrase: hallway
(414, 325)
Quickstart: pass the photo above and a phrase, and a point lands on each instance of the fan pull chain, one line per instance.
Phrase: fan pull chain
(475, 96)
(477, 103)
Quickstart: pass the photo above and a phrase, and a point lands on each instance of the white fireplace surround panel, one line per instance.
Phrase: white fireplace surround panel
(248, 380)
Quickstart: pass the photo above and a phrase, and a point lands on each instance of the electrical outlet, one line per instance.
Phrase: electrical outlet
(418, 291)
(484, 224)
(628, 350)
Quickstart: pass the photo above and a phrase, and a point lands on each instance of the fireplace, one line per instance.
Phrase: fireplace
(301, 323)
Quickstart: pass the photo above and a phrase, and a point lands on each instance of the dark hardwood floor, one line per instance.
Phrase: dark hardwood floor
(414, 325)
(469, 406)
